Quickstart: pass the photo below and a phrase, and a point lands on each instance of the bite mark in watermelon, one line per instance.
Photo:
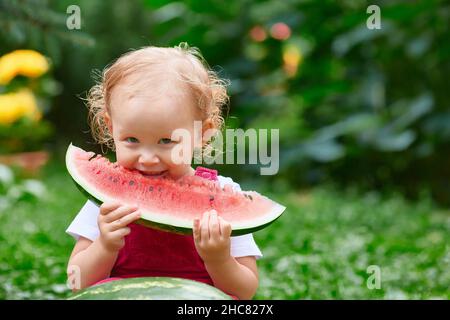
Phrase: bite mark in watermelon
(167, 204)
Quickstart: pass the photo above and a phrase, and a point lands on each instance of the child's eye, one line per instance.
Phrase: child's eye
(165, 141)
(132, 140)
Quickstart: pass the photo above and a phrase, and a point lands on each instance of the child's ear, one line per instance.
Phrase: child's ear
(108, 122)
(208, 131)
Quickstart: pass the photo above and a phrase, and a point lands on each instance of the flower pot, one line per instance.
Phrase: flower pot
(30, 162)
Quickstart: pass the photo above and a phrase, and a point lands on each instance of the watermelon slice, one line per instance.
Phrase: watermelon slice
(168, 204)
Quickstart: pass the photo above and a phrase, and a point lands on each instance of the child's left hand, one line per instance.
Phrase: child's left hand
(212, 237)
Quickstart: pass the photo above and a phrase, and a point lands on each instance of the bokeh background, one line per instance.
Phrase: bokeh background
(364, 120)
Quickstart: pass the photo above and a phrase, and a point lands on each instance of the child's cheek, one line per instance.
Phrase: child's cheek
(125, 158)
(176, 170)
(171, 158)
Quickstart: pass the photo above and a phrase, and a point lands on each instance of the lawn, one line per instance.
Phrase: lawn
(319, 249)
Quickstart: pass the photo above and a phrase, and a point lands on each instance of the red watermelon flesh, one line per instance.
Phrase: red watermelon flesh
(166, 203)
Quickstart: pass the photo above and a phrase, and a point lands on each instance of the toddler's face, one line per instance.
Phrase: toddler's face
(142, 130)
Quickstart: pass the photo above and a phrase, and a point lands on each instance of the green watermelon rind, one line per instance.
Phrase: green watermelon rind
(151, 288)
(170, 226)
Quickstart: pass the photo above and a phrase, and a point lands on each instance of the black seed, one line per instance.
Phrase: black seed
(150, 188)
(92, 157)
(211, 198)
(131, 182)
(250, 197)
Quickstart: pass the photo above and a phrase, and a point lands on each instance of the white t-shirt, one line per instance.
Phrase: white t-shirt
(85, 225)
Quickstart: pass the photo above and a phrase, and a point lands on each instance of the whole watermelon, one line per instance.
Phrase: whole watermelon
(151, 288)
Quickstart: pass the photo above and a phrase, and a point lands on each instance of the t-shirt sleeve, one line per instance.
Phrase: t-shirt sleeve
(85, 223)
(245, 245)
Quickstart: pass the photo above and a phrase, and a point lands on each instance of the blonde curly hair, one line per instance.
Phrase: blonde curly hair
(137, 68)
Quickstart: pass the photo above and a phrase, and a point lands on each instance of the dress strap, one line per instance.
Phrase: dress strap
(206, 173)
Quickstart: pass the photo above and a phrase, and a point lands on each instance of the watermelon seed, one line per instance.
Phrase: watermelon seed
(115, 180)
(211, 198)
(92, 157)
(250, 197)
(150, 188)
(131, 182)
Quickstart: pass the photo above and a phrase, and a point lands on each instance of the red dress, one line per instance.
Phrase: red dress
(152, 253)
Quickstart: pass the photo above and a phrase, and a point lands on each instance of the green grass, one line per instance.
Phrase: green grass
(323, 245)
(319, 249)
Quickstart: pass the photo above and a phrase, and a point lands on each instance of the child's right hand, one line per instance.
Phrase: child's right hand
(113, 221)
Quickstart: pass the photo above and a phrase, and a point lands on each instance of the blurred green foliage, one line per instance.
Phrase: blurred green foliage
(325, 242)
(14, 190)
(353, 105)
(24, 135)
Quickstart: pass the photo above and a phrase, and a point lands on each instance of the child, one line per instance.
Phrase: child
(141, 99)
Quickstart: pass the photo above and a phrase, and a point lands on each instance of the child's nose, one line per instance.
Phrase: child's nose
(148, 158)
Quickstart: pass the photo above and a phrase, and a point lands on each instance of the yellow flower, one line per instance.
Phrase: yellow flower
(292, 58)
(16, 105)
(28, 63)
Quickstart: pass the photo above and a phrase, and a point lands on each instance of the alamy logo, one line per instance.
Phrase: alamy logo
(374, 280)
(374, 20)
(74, 20)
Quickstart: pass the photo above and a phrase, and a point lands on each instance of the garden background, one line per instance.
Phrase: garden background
(364, 124)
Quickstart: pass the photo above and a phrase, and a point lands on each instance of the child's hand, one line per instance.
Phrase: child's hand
(212, 237)
(112, 222)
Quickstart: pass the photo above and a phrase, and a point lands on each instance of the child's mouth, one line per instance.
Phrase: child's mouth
(154, 174)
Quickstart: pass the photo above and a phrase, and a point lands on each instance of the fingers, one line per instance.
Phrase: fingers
(196, 230)
(119, 213)
(211, 227)
(225, 228)
(212, 237)
(204, 226)
(120, 233)
(107, 207)
(125, 220)
(214, 227)
(112, 222)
